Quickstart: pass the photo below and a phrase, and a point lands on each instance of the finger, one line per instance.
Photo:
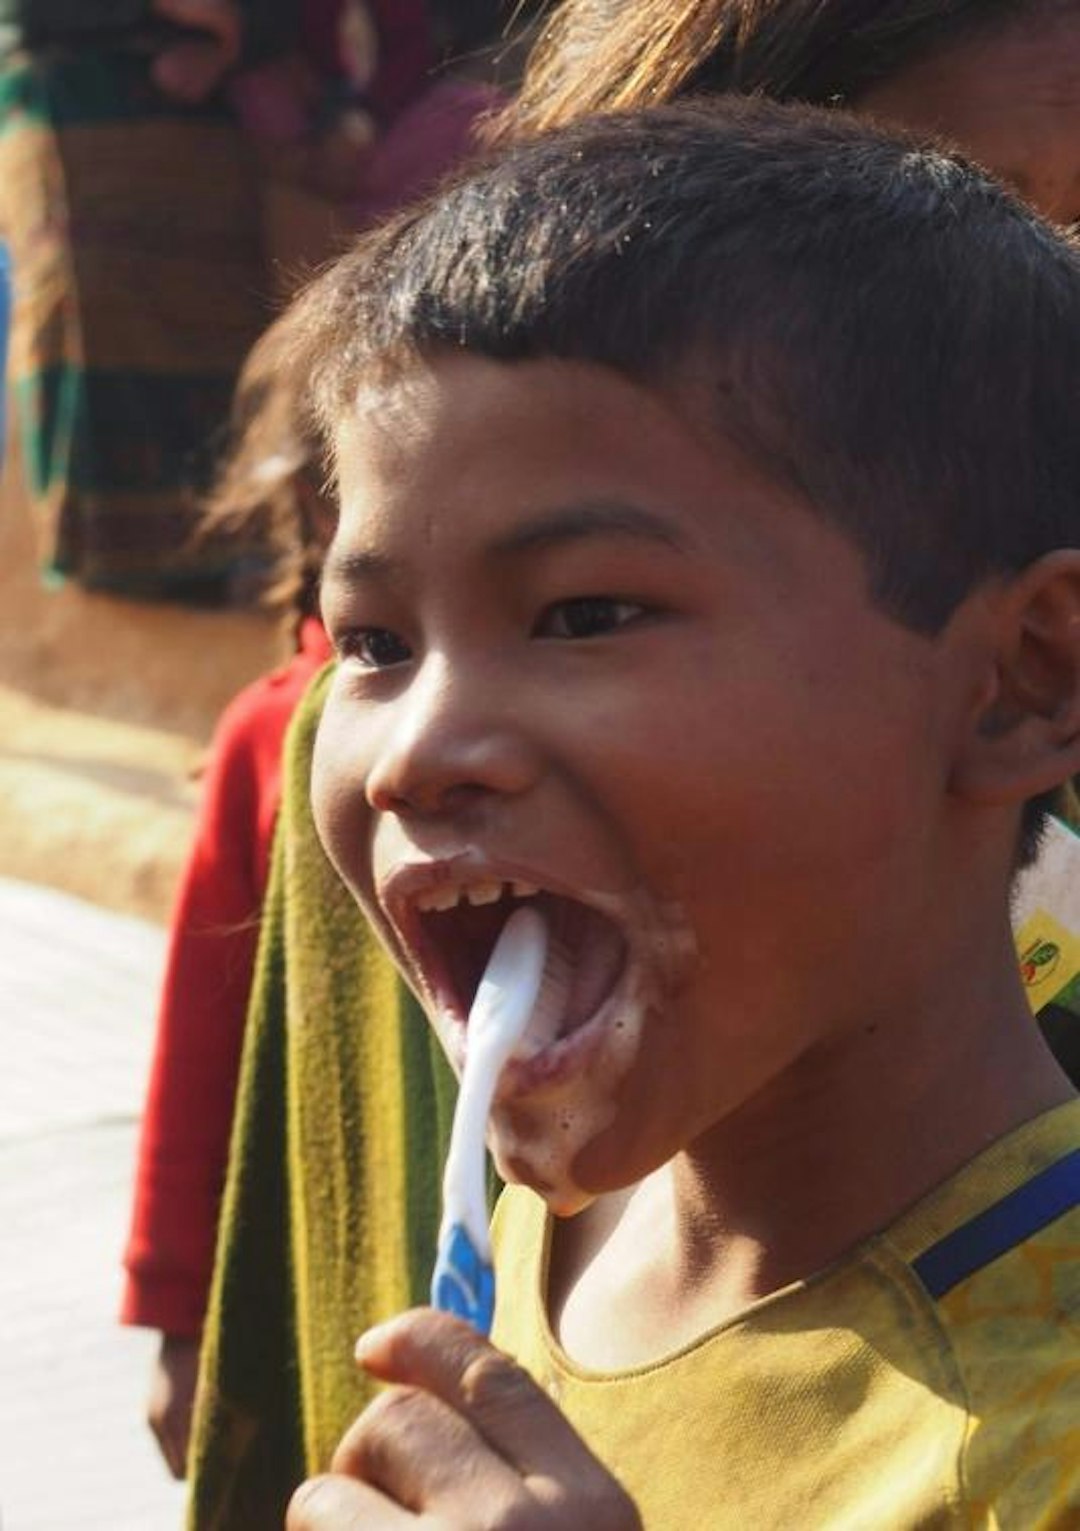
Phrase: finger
(334, 1503)
(165, 1445)
(428, 1458)
(448, 1358)
(181, 1440)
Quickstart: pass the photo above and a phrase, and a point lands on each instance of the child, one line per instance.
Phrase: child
(269, 481)
(707, 562)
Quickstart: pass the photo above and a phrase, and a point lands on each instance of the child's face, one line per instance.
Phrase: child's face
(587, 648)
(1010, 100)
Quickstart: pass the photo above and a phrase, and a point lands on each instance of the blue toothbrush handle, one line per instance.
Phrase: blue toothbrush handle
(463, 1282)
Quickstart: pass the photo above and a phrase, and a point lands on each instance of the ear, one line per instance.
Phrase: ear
(1025, 736)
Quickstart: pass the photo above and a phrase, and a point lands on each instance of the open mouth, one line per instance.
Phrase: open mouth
(454, 931)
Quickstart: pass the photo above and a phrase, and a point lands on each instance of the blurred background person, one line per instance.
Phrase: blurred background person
(316, 116)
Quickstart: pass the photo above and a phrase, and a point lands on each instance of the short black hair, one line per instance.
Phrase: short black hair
(888, 331)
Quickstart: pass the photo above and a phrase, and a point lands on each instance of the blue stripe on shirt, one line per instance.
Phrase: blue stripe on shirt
(1044, 1198)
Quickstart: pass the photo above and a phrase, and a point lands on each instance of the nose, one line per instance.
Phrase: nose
(449, 741)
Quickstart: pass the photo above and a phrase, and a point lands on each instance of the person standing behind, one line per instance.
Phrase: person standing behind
(140, 279)
(267, 493)
(1000, 79)
(269, 481)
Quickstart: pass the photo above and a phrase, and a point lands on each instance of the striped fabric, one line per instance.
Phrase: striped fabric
(5, 319)
(139, 288)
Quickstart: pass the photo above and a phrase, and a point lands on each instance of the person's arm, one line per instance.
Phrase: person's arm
(188, 1112)
(184, 1140)
(464, 1437)
(171, 1399)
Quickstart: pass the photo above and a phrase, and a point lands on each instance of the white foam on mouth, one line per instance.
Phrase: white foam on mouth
(546, 1139)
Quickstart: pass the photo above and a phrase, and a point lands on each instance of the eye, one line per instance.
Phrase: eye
(377, 648)
(587, 616)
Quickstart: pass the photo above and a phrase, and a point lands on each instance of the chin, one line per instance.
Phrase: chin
(568, 1203)
(547, 1174)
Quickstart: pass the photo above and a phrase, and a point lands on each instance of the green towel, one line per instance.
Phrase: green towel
(331, 1205)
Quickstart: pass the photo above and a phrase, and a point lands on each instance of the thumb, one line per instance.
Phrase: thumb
(448, 1358)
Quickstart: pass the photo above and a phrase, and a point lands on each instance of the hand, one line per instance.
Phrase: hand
(172, 1395)
(189, 70)
(464, 1441)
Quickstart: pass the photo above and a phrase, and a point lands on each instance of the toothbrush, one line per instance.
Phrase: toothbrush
(463, 1281)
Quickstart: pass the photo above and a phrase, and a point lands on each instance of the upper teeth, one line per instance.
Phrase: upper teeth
(449, 895)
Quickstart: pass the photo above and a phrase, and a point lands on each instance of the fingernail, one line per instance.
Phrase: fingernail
(372, 1340)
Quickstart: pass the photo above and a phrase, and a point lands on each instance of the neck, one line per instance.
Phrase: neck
(832, 1152)
(863, 1128)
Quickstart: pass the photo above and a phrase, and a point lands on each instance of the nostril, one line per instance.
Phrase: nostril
(382, 791)
(423, 798)
(428, 795)
(449, 761)
(383, 798)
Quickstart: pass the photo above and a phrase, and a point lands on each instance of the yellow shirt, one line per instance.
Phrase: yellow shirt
(931, 1378)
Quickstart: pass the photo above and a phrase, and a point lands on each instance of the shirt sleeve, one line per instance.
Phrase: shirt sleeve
(184, 1140)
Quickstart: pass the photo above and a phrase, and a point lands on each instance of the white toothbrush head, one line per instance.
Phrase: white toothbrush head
(463, 1281)
(510, 987)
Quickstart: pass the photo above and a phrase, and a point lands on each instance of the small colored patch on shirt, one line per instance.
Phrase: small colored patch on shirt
(1049, 957)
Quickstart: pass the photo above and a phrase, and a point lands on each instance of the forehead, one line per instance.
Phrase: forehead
(1009, 99)
(467, 473)
(458, 403)
(465, 444)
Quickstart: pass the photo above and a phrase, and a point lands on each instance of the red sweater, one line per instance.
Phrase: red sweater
(184, 1143)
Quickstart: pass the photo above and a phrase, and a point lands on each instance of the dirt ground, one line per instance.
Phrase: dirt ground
(106, 707)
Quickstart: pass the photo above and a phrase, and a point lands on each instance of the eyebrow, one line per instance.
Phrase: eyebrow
(569, 523)
(592, 518)
(356, 566)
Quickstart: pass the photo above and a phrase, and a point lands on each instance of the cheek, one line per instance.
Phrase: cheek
(338, 804)
(753, 797)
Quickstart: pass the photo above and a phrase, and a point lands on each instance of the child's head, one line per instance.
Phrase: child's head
(693, 469)
(996, 77)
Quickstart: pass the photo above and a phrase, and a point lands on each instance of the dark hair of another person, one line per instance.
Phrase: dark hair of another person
(611, 55)
(883, 328)
(259, 498)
